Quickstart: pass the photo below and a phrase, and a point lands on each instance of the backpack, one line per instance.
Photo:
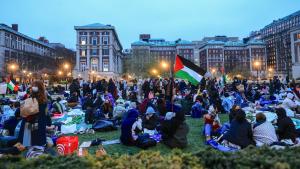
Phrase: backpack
(144, 141)
(104, 125)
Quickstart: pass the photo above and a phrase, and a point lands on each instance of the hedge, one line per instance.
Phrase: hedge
(250, 158)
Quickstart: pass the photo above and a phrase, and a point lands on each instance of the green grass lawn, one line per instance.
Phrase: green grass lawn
(195, 139)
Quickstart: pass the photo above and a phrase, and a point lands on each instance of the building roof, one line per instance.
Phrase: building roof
(99, 26)
(94, 26)
(297, 13)
(234, 43)
(256, 42)
(9, 29)
(161, 42)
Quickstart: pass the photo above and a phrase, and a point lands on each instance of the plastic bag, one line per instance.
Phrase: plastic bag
(66, 129)
(67, 145)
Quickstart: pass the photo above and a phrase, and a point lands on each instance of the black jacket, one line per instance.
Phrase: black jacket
(286, 129)
(240, 133)
(151, 123)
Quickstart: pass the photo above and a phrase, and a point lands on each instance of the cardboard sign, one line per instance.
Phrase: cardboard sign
(3, 88)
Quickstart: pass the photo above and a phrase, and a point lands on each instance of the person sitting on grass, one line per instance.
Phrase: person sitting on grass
(107, 109)
(126, 127)
(57, 107)
(150, 119)
(263, 131)
(198, 108)
(240, 132)
(286, 129)
(174, 130)
(212, 124)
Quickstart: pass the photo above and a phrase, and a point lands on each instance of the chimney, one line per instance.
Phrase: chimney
(14, 27)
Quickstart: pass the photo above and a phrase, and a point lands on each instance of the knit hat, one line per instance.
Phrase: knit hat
(150, 110)
(290, 96)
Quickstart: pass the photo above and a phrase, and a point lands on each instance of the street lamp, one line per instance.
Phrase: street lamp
(66, 66)
(12, 67)
(93, 72)
(270, 72)
(257, 64)
(165, 66)
(154, 71)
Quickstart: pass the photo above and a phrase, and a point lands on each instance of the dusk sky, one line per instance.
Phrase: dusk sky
(169, 19)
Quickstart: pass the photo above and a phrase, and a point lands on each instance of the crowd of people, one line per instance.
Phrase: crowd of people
(143, 108)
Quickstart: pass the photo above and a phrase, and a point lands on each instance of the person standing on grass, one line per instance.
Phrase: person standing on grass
(33, 128)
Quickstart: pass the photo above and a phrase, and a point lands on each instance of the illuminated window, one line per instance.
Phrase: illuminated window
(82, 66)
(105, 62)
(83, 40)
(82, 52)
(94, 64)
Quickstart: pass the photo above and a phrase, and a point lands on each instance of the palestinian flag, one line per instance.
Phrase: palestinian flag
(187, 70)
(11, 85)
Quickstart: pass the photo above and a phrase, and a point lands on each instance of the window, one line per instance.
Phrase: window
(94, 64)
(94, 52)
(82, 66)
(83, 40)
(94, 40)
(105, 40)
(105, 51)
(82, 52)
(105, 33)
(105, 62)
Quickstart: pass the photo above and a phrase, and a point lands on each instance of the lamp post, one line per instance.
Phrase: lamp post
(66, 67)
(165, 66)
(12, 68)
(154, 71)
(93, 73)
(257, 64)
(24, 75)
(59, 73)
(270, 72)
(213, 71)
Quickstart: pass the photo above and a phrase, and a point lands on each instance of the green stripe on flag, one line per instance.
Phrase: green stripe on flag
(186, 76)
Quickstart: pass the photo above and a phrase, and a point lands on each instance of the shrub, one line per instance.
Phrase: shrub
(250, 158)
(144, 159)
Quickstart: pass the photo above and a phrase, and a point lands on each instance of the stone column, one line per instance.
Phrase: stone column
(88, 51)
(100, 59)
(111, 59)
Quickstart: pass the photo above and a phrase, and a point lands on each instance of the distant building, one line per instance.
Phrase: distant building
(295, 52)
(26, 53)
(98, 52)
(148, 51)
(281, 53)
(63, 56)
(228, 55)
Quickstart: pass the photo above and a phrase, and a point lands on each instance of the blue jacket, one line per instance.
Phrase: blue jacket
(227, 104)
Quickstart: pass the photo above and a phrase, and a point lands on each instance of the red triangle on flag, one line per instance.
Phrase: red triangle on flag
(178, 64)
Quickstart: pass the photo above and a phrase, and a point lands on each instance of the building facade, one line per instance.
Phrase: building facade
(279, 37)
(98, 52)
(295, 52)
(25, 53)
(227, 56)
(148, 51)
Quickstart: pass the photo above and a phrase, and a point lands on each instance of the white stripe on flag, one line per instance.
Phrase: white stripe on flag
(194, 74)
